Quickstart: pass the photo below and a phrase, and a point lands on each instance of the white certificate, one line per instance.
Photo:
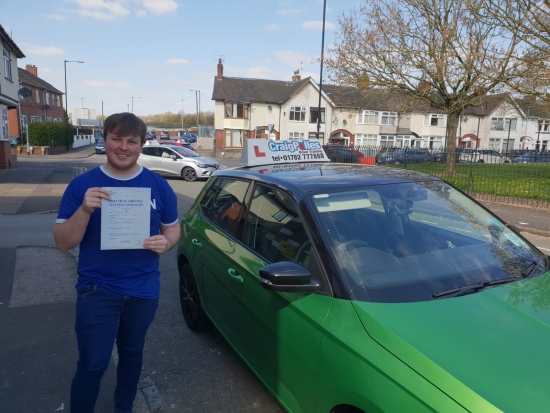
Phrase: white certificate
(125, 219)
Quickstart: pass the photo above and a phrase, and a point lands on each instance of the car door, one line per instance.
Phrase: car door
(277, 333)
(149, 158)
(167, 164)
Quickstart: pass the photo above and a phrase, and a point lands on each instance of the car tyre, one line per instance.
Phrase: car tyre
(189, 174)
(480, 161)
(190, 301)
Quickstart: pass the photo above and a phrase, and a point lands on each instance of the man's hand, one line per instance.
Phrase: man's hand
(157, 243)
(92, 199)
(169, 236)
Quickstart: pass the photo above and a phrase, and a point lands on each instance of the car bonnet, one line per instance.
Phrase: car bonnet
(485, 350)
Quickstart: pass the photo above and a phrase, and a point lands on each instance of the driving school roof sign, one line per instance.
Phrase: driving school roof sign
(264, 152)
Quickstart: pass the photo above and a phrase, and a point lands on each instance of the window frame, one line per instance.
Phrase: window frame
(37, 95)
(371, 114)
(244, 137)
(315, 110)
(389, 116)
(230, 107)
(7, 64)
(429, 118)
(496, 122)
(293, 110)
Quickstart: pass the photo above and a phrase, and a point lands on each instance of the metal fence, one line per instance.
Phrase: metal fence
(513, 177)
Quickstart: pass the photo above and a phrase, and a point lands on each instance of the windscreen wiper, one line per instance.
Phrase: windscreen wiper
(466, 289)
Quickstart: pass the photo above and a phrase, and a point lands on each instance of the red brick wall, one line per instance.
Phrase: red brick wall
(13, 122)
(219, 136)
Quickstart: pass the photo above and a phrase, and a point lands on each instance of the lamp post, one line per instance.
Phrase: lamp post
(197, 103)
(134, 97)
(321, 74)
(66, 103)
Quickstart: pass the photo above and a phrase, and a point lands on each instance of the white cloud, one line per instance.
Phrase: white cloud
(55, 17)
(285, 12)
(178, 61)
(37, 50)
(272, 27)
(160, 6)
(141, 13)
(317, 25)
(100, 9)
(107, 84)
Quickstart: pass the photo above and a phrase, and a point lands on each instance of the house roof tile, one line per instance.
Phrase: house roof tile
(28, 78)
(241, 90)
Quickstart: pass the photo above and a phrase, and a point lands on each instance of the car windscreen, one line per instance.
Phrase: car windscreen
(404, 242)
(187, 153)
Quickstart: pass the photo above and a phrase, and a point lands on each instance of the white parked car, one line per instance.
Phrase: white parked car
(489, 156)
(173, 160)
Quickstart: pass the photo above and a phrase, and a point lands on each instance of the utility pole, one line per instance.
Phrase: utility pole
(102, 118)
(182, 114)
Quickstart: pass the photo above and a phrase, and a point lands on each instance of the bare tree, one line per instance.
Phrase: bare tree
(529, 20)
(433, 50)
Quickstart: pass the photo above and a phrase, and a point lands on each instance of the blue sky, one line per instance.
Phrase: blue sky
(160, 49)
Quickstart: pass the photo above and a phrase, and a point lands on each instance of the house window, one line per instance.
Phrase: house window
(49, 118)
(436, 142)
(234, 138)
(297, 113)
(236, 110)
(4, 122)
(503, 123)
(313, 135)
(435, 120)
(7, 65)
(367, 117)
(36, 119)
(362, 139)
(57, 100)
(543, 125)
(47, 98)
(387, 140)
(314, 115)
(295, 135)
(494, 143)
(403, 141)
(37, 96)
(388, 118)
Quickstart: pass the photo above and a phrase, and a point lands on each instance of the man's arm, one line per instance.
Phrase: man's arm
(69, 234)
(168, 238)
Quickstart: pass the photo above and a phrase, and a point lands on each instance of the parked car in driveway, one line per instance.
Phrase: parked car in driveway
(100, 146)
(489, 156)
(342, 153)
(172, 160)
(406, 156)
(532, 157)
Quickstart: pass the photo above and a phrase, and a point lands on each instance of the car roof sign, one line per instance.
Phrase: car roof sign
(263, 152)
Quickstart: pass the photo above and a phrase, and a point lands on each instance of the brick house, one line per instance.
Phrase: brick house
(39, 101)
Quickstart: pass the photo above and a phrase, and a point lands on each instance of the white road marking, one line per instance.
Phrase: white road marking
(545, 249)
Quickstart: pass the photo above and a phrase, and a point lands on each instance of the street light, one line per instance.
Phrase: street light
(134, 97)
(66, 103)
(198, 104)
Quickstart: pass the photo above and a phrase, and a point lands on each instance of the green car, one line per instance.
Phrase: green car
(349, 288)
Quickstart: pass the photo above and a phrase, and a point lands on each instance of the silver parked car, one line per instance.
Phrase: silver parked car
(174, 160)
(489, 156)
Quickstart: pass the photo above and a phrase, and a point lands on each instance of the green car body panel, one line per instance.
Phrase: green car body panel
(315, 352)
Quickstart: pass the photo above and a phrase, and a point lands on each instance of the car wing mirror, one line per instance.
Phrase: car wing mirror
(287, 276)
(174, 157)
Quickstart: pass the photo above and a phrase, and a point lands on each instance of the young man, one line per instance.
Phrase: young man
(117, 289)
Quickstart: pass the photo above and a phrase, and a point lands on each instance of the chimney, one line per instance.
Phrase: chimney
(425, 86)
(296, 77)
(220, 69)
(32, 69)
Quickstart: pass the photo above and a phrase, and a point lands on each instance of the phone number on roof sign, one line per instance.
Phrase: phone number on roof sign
(293, 146)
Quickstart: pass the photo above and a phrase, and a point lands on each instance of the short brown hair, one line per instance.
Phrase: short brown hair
(124, 124)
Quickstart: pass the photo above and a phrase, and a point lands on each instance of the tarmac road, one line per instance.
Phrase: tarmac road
(183, 371)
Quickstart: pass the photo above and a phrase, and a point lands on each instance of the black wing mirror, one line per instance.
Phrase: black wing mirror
(287, 276)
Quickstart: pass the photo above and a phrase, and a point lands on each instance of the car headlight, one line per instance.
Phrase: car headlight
(200, 165)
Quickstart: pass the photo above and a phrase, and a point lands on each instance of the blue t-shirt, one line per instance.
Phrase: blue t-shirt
(133, 272)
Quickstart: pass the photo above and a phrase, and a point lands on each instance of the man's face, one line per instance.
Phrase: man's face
(122, 151)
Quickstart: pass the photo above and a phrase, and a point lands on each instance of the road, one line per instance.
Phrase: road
(191, 372)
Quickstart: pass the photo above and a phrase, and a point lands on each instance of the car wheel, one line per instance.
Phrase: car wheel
(480, 161)
(396, 162)
(189, 174)
(190, 301)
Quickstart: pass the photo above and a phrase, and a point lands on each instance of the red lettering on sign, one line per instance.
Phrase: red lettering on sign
(258, 153)
(262, 171)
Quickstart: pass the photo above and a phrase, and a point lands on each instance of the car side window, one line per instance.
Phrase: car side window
(223, 204)
(150, 151)
(274, 229)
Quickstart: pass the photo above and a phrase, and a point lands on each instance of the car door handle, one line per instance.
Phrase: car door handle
(234, 275)
(196, 243)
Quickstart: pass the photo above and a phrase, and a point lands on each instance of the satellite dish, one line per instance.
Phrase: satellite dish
(25, 92)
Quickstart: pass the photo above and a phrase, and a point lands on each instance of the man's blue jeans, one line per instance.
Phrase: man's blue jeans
(101, 317)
